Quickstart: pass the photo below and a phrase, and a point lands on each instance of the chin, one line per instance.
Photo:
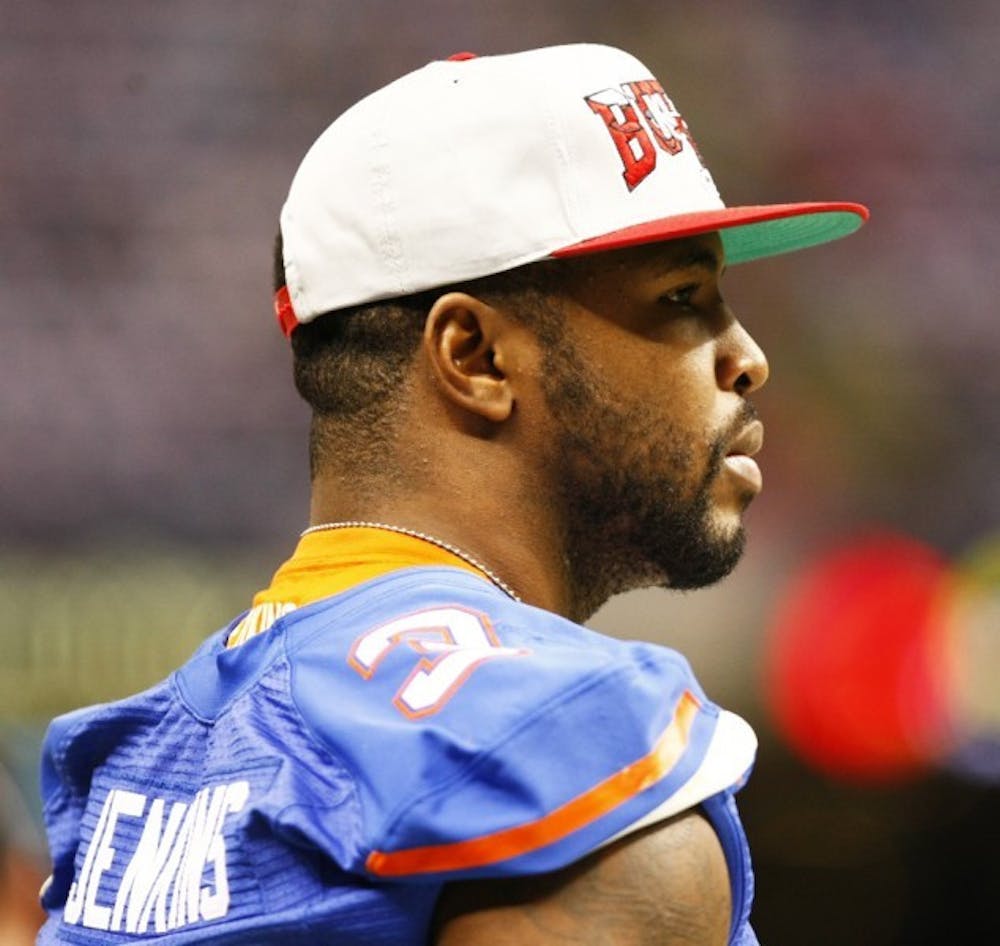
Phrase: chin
(710, 561)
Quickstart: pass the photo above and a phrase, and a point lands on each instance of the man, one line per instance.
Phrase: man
(501, 280)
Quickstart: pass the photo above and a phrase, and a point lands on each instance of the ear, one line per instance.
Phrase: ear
(463, 340)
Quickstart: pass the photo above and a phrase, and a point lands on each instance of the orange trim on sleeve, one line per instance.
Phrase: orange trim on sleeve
(573, 815)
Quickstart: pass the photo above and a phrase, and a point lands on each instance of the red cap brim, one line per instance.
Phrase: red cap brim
(748, 233)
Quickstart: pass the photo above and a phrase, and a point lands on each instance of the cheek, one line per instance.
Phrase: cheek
(688, 398)
(640, 394)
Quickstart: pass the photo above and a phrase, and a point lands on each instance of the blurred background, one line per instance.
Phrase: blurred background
(153, 466)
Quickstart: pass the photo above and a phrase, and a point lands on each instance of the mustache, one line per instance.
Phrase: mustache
(746, 414)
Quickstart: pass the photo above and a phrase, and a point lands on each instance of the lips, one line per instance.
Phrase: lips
(749, 442)
(738, 460)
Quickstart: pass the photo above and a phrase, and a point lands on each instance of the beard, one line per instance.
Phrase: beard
(635, 492)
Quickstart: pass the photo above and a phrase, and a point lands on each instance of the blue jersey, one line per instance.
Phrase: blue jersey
(321, 782)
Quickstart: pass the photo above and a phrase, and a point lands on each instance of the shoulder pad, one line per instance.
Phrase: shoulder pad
(489, 738)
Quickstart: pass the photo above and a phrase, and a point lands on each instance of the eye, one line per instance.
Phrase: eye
(682, 295)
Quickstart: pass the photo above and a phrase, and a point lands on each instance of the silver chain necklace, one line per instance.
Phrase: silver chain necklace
(440, 543)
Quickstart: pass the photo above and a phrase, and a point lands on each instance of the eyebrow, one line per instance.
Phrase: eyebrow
(703, 257)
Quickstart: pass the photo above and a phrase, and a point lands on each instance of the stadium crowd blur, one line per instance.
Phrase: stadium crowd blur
(153, 450)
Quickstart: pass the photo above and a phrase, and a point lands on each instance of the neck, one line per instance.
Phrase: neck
(516, 549)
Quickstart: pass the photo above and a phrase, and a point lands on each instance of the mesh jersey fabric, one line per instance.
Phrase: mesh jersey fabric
(323, 780)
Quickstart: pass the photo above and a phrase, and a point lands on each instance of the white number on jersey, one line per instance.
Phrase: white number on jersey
(451, 642)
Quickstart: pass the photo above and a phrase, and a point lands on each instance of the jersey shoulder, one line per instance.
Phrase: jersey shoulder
(487, 737)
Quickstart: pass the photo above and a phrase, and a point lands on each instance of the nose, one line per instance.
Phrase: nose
(741, 364)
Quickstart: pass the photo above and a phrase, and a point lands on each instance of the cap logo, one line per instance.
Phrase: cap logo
(641, 120)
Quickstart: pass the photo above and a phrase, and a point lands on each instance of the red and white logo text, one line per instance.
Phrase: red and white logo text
(642, 121)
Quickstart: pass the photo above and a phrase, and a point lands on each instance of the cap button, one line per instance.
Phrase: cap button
(461, 57)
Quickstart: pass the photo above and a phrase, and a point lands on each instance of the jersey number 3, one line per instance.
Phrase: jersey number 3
(451, 643)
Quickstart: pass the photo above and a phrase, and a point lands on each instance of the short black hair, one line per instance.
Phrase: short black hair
(349, 364)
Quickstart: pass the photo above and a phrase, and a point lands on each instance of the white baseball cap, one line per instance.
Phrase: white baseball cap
(476, 165)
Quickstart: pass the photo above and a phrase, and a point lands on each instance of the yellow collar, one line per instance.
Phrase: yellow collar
(326, 563)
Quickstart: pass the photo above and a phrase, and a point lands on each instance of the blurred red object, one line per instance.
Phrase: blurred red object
(858, 665)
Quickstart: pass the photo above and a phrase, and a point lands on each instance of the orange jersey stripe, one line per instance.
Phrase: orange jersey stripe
(570, 817)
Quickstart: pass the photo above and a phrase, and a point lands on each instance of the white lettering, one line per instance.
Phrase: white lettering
(188, 888)
(161, 886)
(216, 905)
(121, 803)
(191, 861)
(165, 879)
(81, 904)
(74, 902)
(146, 864)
